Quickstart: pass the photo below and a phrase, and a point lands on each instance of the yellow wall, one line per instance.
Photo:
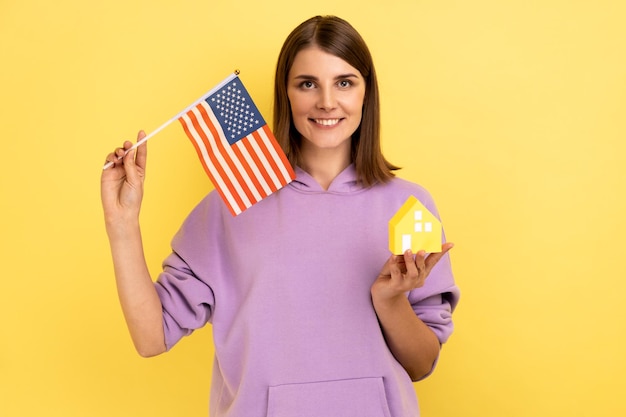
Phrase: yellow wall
(510, 112)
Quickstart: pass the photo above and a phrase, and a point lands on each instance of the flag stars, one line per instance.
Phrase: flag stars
(235, 110)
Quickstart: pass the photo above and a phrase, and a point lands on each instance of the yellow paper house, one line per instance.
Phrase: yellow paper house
(414, 227)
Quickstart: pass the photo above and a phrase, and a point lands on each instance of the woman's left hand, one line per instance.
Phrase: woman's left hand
(410, 340)
(403, 273)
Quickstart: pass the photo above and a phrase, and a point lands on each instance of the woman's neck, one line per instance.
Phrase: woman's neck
(324, 164)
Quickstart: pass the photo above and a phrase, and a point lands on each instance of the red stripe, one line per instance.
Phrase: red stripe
(259, 164)
(204, 164)
(280, 153)
(203, 134)
(270, 159)
(197, 147)
(253, 176)
(233, 168)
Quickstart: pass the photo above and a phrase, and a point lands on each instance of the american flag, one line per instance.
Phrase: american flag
(236, 147)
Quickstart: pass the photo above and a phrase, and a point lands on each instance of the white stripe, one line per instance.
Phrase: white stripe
(212, 143)
(265, 162)
(275, 156)
(231, 154)
(244, 151)
(205, 156)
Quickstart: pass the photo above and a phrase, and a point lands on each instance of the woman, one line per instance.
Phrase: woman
(310, 314)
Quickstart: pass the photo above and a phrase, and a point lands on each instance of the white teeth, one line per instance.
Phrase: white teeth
(327, 122)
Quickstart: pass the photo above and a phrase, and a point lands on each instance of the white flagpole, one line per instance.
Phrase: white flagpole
(185, 110)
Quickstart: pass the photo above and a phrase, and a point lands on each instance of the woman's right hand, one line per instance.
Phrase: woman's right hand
(121, 185)
(122, 192)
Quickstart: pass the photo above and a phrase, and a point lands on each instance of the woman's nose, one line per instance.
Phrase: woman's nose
(326, 99)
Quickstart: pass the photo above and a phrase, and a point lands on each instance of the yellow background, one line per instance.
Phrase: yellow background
(510, 112)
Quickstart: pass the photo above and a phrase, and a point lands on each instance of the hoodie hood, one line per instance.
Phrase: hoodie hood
(344, 183)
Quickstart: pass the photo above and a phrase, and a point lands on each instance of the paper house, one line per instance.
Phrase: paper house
(414, 227)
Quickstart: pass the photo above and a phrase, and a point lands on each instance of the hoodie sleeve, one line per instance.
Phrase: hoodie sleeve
(437, 299)
(185, 284)
(435, 302)
(187, 301)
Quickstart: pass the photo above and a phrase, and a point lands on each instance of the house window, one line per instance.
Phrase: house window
(419, 226)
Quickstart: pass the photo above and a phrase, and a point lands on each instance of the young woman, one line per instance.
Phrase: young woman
(311, 315)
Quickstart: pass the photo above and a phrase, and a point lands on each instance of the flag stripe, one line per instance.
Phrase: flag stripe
(243, 183)
(253, 158)
(265, 147)
(259, 150)
(208, 136)
(254, 154)
(279, 156)
(201, 141)
(252, 168)
(209, 168)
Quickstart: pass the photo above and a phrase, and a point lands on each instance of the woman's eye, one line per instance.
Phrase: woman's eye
(307, 84)
(344, 83)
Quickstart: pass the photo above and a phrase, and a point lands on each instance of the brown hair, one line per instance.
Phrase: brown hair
(337, 37)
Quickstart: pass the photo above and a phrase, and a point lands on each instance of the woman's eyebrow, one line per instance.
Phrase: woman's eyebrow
(314, 78)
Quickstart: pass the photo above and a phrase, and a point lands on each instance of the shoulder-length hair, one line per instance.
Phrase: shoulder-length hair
(337, 37)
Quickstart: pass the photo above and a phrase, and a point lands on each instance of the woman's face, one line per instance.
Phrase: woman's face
(326, 97)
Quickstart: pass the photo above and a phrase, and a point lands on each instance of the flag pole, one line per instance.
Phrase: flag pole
(180, 113)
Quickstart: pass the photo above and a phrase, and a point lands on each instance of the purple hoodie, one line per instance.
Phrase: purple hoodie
(286, 286)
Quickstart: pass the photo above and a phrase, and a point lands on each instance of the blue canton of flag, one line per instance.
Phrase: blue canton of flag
(235, 111)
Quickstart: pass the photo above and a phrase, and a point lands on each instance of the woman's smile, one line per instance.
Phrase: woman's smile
(326, 122)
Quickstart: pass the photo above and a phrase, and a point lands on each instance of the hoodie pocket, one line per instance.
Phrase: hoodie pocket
(363, 397)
